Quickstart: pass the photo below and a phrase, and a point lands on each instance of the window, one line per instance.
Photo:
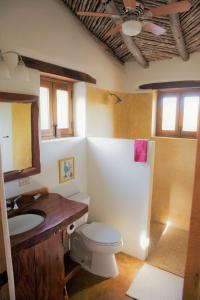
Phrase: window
(55, 108)
(178, 113)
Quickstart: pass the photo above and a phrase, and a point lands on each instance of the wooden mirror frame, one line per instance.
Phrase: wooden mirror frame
(34, 100)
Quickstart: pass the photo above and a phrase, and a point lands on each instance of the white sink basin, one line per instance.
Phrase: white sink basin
(23, 223)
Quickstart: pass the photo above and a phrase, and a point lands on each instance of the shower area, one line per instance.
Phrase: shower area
(132, 116)
(171, 203)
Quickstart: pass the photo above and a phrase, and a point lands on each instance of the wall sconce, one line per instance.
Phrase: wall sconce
(20, 72)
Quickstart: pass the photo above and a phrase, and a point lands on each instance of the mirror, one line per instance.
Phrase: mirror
(19, 135)
(15, 136)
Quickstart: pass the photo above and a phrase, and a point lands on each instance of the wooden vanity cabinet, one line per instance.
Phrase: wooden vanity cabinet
(39, 270)
(24, 274)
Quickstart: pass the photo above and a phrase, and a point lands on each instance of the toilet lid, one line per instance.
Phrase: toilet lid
(101, 233)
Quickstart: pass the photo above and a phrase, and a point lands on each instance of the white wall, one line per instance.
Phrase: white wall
(51, 152)
(47, 30)
(6, 136)
(121, 190)
(15, 86)
(167, 70)
(79, 108)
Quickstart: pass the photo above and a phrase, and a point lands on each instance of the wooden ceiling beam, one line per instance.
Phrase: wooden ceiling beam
(135, 51)
(178, 34)
(129, 42)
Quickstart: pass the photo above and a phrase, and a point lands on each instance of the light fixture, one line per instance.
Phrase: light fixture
(20, 72)
(4, 71)
(131, 27)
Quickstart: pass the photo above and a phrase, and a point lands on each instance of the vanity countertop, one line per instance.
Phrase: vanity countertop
(59, 212)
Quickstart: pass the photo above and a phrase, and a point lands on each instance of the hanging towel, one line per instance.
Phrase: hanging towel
(140, 151)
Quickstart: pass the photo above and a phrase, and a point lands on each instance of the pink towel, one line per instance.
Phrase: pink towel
(140, 151)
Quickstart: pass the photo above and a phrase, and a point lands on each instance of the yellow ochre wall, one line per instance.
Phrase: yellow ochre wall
(21, 120)
(132, 117)
(173, 180)
(106, 119)
(174, 158)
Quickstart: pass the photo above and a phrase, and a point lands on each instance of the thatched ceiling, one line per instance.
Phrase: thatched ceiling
(151, 47)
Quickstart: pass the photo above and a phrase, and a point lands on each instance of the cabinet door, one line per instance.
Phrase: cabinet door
(4, 293)
(49, 258)
(24, 274)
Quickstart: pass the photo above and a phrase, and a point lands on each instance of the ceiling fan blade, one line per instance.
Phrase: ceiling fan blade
(173, 8)
(130, 4)
(114, 30)
(153, 28)
(95, 14)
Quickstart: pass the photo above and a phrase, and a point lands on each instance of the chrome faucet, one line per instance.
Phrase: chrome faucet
(12, 204)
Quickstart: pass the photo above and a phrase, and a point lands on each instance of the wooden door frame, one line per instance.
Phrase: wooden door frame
(6, 237)
(192, 271)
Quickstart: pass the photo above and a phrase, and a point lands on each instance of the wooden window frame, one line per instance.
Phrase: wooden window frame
(65, 87)
(54, 85)
(178, 132)
(48, 133)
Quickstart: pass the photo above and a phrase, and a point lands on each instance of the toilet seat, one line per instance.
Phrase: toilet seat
(101, 234)
(94, 246)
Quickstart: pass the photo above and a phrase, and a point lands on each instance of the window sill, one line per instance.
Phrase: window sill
(173, 138)
(52, 140)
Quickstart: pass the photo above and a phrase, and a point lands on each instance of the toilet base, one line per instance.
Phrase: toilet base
(103, 265)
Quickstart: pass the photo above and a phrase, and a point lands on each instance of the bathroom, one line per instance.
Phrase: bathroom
(133, 198)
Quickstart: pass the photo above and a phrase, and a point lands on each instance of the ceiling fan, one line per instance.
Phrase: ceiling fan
(131, 21)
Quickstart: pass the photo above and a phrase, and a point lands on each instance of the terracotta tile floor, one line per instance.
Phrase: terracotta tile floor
(167, 252)
(168, 249)
(86, 286)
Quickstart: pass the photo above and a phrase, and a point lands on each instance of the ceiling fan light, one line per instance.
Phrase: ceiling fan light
(131, 28)
(4, 71)
(21, 71)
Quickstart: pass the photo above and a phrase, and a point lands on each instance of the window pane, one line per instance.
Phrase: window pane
(62, 109)
(169, 113)
(44, 108)
(190, 113)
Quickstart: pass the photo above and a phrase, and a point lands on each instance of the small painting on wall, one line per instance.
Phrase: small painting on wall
(66, 169)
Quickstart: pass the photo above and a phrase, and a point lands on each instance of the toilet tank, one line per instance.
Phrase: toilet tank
(83, 198)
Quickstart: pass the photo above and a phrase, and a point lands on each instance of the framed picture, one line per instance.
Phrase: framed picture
(66, 169)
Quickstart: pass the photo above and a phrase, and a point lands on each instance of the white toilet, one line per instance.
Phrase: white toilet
(94, 245)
